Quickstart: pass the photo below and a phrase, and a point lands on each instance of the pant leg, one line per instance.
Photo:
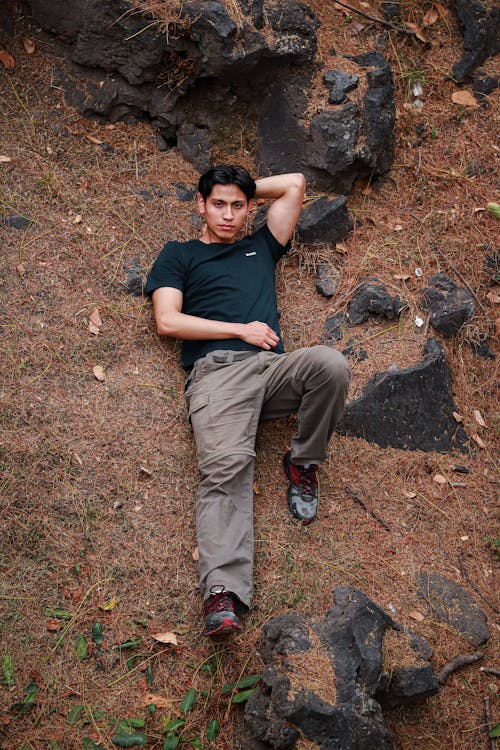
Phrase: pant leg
(314, 382)
(224, 404)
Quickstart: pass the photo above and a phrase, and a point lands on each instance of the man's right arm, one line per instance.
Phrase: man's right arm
(171, 321)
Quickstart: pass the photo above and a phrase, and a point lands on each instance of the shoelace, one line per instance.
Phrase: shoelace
(219, 603)
(305, 479)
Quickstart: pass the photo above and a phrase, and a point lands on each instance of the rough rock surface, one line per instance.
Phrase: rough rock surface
(327, 280)
(341, 143)
(453, 604)
(326, 680)
(410, 408)
(450, 306)
(481, 29)
(324, 222)
(373, 299)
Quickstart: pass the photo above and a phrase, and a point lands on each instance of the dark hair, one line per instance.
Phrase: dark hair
(227, 174)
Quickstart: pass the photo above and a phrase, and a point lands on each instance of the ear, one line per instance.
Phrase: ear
(201, 204)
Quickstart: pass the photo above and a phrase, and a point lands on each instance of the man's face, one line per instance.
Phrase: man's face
(225, 211)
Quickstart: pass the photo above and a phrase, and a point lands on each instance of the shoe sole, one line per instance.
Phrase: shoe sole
(226, 630)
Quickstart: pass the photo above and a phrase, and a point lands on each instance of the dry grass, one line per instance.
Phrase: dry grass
(81, 521)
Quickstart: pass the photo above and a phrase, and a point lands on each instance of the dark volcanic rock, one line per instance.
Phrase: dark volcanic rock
(333, 703)
(340, 144)
(411, 408)
(481, 29)
(327, 280)
(339, 84)
(333, 328)
(452, 603)
(134, 284)
(450, 306)
(324, 222)
(17, 222)
(481, 347)
(373, 299)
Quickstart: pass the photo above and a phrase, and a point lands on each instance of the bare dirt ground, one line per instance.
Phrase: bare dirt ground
(98, 477)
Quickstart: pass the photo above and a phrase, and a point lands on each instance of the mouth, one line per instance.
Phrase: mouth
(226, 227)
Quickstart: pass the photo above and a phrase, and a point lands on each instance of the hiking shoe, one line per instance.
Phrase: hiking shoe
(302, 493)
(220, 618)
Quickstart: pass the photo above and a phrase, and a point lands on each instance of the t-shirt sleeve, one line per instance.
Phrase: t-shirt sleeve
(167, 270)
(277, 250)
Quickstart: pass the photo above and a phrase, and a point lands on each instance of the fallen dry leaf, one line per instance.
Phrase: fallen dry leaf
(443, 12)
(256, 490)
(160, 701)
(94, 140)
(99, 373)
(478, 440)
(5, 159)
(416, 615)
(409, 495)
(440, 479)
(493, 298)
(395, 225)
(402, 276)
(93, 329)
(95, 318)
(146, 471)
(29, 45)
(465, 98)
(457, 417)
(77, 219)
(431, 17)
(110, 604)
(20, 269)
(479, 418)
(53, 624)
(168, 637)
(417, 31)
(196, 554)
(77, 458)
(7, 59)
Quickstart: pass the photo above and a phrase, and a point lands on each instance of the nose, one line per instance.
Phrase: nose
(228, 211)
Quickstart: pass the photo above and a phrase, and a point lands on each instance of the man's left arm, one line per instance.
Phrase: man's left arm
(287, 192)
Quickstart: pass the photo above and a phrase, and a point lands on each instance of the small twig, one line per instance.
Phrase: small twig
(361, 502)
(464, 281)
(457, 663)
(493, 742)
(464, 573)
(389, 24)
(417, 170)
(490, 670)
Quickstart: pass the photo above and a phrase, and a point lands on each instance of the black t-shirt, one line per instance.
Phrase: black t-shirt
(233, 282)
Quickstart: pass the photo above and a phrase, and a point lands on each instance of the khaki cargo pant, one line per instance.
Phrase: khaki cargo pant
(227, 394)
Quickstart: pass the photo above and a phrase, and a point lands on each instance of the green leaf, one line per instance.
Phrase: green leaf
(196, 743)
(126, 725)
(82, 647)
(213, 729)
(152, 708)
(149, 675)
(129, 740)
(245, 682)
(97, 635)
(29, 699)
(74, 714)
(173, 725)
(88, 744)
(495, 732)
(58, 613)
(243, 696)
(130, 643)
(171, 742)
(495, 210)
(188, 701)
(8, 670)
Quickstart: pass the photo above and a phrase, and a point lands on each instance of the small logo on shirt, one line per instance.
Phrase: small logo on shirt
(249, 254)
